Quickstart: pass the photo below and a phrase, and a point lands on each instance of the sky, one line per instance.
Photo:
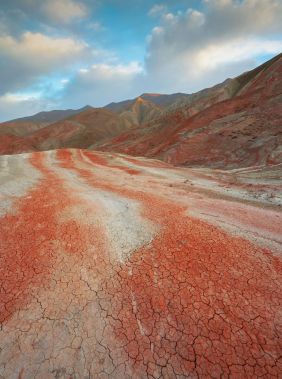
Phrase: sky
(59, 54)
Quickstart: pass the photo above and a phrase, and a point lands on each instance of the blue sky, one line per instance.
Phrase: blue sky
(68, 53)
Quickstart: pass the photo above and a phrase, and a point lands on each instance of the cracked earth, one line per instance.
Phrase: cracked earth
(118, 267)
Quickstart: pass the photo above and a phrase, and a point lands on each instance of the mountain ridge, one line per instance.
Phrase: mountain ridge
(203, 128)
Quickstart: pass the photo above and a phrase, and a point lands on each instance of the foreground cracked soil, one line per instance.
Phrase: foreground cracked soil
(121, 267)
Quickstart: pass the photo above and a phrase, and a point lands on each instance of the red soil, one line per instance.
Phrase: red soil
(10, 144)
(32, 237)
(196, 302)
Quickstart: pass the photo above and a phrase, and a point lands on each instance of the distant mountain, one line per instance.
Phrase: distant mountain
(145, 107)
(54, 115)
(140, 111)
(161, 100)
(164, 100)
(26, 125)
(236, 123)
(80, 130)
(95, 125)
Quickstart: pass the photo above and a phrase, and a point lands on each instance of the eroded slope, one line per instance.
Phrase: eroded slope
(235, 124)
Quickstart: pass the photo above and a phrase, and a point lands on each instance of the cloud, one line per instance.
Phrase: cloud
(157, 10)
(64, 11)
(52, 16)
(187, 50)
(95, 26)
(102, 83)
(24, 60)
(14, 105)
(192, 49)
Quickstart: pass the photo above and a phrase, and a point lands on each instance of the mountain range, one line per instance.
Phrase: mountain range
(233, 124)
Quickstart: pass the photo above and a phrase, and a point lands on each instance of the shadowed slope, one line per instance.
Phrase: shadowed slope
(140, 111)
(80, 130)
(160, 100)
(26, 125)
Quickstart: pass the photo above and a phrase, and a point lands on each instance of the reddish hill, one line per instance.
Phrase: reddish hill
(20, 128)
(27, 125)
(10, 144)
(238, 124)
(80, 130)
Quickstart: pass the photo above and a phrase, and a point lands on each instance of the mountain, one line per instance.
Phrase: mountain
(27, 125)
(139, 111)
(53, 116)
(12, 144)
(234, 124)
(160, 100)
(82, 129)
(145, 107)
(164, 100)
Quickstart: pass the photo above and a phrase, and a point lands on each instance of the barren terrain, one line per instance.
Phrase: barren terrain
(121, 267)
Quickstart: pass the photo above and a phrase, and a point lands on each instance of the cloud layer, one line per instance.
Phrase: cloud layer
(103, 83)
(197, 48)
(64, 11)
(26, 59)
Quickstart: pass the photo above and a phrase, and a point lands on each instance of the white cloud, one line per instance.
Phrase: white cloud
(102, 83)
(19, 97)
(106, 71)
(64, 81)
(14, 105)
(36, 45)
(34, 54)
(157, 10)
(95, 26)
(186, 51)
(64, 11)
(193, 49)
(216, 55)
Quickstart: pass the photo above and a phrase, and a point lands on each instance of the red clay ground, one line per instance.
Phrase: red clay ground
(118, 267)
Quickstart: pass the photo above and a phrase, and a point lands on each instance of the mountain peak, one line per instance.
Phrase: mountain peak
(139, 99)
(148, 94)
